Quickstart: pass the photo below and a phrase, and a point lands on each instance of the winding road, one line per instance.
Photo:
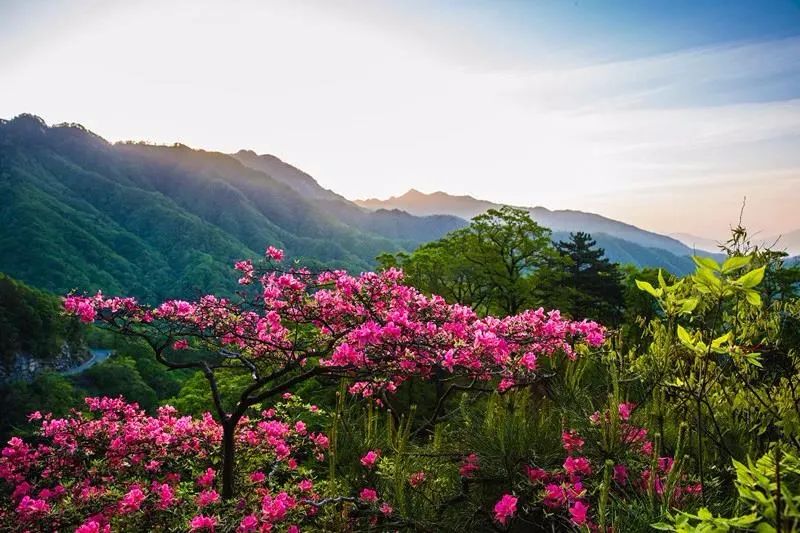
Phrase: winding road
(98, 356)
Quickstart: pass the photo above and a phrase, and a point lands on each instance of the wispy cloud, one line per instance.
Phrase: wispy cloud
(374, 100)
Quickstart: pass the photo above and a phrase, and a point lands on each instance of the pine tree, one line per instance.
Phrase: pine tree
(593, 285)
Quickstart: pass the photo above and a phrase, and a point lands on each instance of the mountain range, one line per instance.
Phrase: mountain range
(624, 243)
(160, 221)
(155, 221)
(786, 242)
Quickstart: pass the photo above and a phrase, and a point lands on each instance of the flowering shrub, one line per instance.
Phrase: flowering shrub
(115, 467)
(289, 326)
(574, 489)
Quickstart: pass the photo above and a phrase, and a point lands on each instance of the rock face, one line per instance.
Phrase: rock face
(25, 367)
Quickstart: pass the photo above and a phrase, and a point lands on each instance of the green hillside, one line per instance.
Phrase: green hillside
(157, 221)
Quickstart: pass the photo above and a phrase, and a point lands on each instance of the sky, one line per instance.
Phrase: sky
(662, 113)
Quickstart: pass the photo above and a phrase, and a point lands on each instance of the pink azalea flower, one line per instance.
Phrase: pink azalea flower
(369, 458)
(505, 508)
(578, 512)
(577, 466)
(132, 501)
(180, 344)
(416, 479)
(536, 475)
(249, 523)
(202, 522)
(30, 507)
(620, 474)
(368, 495)
(207, 497)
(625, 410)
(275, 254)
(93, 526)
(571, 441)
(554, 496)
(469, 466)
(206, 479)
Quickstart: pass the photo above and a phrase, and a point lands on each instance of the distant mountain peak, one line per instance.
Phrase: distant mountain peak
(27, 123)
(562, 220)
(34, 128)
(29, 118)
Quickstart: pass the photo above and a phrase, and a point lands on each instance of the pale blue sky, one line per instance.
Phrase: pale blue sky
(664, 114)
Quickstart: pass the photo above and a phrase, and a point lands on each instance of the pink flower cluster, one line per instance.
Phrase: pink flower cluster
(505, 508)
(114, 465)
(469, 466)
(374, 328)
(568, 487)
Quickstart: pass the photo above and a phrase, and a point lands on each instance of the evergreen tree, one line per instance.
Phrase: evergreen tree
(591, 286)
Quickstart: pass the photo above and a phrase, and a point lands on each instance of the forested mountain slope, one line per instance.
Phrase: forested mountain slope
(79, 212)
(165, 221)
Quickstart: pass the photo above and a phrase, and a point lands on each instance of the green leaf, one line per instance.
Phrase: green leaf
(753, 298)
(684, 336)
(716, 343)
(648, 288)
(704, 514)
(661, 282)
(754, 359)
(752, 278)
(689, 304)
(764, 527)
(736, 262)
(661, 526)
(705, 276)
(706, 262)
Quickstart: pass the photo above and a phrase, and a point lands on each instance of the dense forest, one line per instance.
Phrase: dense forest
(32, 321)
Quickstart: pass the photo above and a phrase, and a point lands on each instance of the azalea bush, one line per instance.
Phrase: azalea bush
(285, 328)
(115, 468)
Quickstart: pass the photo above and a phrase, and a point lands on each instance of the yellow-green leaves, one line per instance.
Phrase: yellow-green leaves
(711, 280)
(751, 279)
(706, 262)
(649, 289)
(688, 305)
(717, 343)
(695, 343)
(718, 280)
(684, 337)
(736, 262)
(753, 298)
(705, 278)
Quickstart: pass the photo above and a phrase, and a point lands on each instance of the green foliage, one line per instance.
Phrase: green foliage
(47, 393)
(767, 490)
(118, 376)
(31, 321)
(490, 265)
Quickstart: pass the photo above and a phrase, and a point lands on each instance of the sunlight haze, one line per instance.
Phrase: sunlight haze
(525, 103)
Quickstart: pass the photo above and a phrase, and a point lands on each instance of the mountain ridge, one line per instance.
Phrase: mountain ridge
(159, 221)
(568, 220)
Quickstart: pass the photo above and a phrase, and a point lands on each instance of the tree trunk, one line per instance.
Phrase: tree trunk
(228, 458)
